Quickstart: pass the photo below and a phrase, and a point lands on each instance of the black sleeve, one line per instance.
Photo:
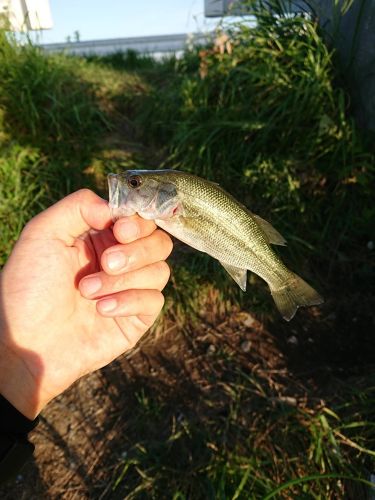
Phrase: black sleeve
(15, 449)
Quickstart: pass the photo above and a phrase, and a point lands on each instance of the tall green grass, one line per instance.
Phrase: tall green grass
(271, 121)
(45, 100)
(21, 191)
(50, 120)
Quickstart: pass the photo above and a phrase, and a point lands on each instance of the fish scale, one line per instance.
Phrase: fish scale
(203, 215)
(216, 216)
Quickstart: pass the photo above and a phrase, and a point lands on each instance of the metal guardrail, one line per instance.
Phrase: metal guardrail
(157, 44)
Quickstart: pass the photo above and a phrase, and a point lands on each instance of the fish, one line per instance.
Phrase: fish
(203, 215)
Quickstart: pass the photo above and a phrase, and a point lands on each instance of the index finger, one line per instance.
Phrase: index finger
(128, 229)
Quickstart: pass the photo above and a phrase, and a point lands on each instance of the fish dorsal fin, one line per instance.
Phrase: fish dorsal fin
(273, 236)
(239, 275)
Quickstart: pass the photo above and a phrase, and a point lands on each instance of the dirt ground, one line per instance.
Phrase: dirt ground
(83, 436)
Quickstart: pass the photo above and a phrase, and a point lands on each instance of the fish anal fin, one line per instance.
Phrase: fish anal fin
(272, 234)
(239, 275)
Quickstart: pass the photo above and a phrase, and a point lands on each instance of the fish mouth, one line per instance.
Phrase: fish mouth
(118, 195)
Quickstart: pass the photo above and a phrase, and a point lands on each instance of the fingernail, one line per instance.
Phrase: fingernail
(129, 230)
(90, 285)
(116, 261)
(107, 305)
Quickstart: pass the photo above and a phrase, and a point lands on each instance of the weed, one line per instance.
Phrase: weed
(21, 192)
(269, 118)
(243, 439)
(270, 121)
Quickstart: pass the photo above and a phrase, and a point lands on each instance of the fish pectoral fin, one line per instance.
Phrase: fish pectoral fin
(272, 234)
(239, 275)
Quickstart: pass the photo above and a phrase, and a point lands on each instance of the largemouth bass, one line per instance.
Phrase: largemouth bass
(203, 215)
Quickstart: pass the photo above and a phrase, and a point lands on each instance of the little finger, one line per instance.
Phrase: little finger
(131, 303)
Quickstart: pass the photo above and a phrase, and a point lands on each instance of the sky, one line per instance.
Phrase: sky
(95, 19)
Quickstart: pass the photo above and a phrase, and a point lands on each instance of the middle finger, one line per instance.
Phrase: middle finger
(139, 253)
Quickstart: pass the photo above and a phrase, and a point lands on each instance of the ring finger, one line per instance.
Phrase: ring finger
(154, 276)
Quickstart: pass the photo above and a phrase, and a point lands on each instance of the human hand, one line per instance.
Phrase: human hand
(54, 326)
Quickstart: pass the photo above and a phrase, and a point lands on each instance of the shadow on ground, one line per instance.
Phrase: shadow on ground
(185, 409)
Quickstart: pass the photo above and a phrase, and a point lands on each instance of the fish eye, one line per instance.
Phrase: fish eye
(134, 181)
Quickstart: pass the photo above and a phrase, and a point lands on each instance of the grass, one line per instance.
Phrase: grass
(20, 192)
(270, 119)
(45, 100)
(238, 435)
(50, 120)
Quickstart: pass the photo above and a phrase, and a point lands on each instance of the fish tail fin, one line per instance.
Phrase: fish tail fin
(295, 292)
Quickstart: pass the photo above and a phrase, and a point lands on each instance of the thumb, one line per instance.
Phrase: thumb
(70, 217)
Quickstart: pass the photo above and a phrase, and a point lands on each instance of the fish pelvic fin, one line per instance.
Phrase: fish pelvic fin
(239, 275)
(294, 294)
(273, 236)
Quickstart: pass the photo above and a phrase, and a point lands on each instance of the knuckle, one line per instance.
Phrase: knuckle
(167, 270)
(161, 300)
(152, 249)
(131, 344)
(33, 226)
(84, 194)
(122, 282)
(29, 227)
(81, 198)
(134, 299)
(146, 227)
(145, 301)
(165, 240)
(142, 252)
(163, 272)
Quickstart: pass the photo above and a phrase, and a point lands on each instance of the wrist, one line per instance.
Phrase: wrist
(17, 384)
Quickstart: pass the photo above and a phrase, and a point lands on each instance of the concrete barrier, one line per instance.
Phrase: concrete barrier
(158, 44)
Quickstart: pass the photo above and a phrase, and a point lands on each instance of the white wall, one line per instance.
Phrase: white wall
(24, 15)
